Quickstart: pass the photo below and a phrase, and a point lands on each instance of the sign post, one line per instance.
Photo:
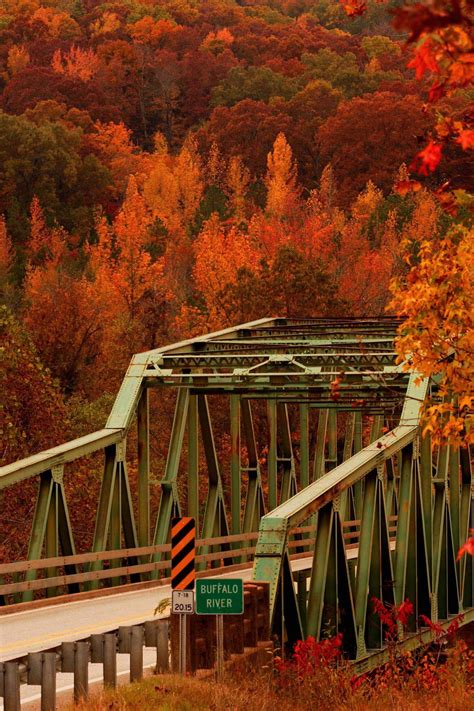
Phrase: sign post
(219, 597)
(183, 575)
(220, 646)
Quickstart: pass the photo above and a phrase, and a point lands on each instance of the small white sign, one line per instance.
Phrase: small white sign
(182, 602)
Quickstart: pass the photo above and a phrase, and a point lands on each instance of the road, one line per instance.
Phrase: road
(47, 627)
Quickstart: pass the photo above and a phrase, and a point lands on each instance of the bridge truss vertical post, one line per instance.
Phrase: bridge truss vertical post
(169, 502)
(272, 454)
(254, 507)
(215, 516)
(51, 525)
(320, 457)
(193, 460)
(235, 468)
(143, 425)
(304, 445)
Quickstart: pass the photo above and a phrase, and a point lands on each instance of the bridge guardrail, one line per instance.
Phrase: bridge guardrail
(302, 543)
(40, 668)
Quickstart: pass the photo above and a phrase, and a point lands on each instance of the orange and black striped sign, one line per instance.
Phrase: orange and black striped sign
(183, 552)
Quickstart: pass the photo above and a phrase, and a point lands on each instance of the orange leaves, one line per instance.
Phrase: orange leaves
(127, 283)
(354, 8)
(403, 187)
(59, 25)
(335, 387)
(148, 31)
(107, 24)
(76, 63)
(112, 142)
(219, 254)
(121, 260)
(237, 183)
(217, 41)
(44, 244)
(367, 202)
(445, 51)
(466, 139)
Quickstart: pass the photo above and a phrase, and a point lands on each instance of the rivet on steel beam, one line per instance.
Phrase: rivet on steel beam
(57, 472)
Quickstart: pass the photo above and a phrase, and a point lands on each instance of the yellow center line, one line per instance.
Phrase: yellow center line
(84, 631)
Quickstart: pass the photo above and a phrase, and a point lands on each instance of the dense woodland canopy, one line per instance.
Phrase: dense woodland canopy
(174, 166)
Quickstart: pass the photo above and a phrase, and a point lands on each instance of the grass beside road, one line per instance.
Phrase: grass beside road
(328, 690)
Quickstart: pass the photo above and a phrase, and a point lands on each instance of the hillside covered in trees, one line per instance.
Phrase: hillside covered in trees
(175, 166)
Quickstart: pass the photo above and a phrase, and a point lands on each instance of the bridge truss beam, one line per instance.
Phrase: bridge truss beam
(307, 401)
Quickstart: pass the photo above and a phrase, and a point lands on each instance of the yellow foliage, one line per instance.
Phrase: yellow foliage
(18, 59)
(436, 300)
(237, 183)
(107, 24)
(174, 187)
(367, 202)
(281, 179)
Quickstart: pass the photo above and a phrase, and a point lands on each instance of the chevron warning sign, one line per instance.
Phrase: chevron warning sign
(183, 544)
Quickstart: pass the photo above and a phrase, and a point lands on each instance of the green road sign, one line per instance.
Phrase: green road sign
(219, 596)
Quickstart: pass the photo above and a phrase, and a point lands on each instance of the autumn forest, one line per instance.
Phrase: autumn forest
(176, 166)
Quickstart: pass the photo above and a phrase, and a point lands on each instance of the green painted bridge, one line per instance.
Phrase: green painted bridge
(325, 465)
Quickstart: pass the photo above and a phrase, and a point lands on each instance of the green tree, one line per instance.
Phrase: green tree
(47, 161)
(257, 83)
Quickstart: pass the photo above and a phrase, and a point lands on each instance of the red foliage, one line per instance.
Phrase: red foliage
(35, 84)
(248, 129)
(392, 615)
(308, 656)
(468, 547)
(372, 125)
(427, 160)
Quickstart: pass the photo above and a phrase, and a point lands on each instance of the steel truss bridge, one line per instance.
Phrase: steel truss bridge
(347, 486)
